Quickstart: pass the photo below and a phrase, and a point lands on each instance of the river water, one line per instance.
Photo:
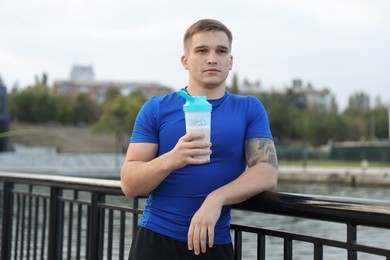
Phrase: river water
(43, 160)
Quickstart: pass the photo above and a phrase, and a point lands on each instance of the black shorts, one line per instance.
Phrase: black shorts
(149, 245)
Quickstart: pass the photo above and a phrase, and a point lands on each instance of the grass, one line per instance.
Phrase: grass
(62, 138)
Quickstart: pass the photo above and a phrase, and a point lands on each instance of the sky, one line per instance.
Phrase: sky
(343, 45)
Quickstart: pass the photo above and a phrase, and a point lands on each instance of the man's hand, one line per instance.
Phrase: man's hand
(188, 146)
(203, 224)
(143, 171)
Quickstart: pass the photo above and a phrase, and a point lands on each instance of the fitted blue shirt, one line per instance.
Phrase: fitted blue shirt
(171, 206)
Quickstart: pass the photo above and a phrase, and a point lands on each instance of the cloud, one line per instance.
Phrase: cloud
(342, 44)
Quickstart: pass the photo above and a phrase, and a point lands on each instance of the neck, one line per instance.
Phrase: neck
(210, 93)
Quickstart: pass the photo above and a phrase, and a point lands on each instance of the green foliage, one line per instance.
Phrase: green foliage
(381, 122)
(34, 105)
(65, 112)
(119, 114)
(358, 104)
(234, 87)
(291, 120)
(111, 94)
(87, 111)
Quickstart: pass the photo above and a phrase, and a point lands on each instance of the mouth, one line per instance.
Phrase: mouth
(212, 70)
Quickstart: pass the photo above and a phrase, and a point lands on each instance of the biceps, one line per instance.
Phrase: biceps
(141, 152)
(260, 150)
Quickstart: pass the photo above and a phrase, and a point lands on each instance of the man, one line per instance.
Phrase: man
(187, 214)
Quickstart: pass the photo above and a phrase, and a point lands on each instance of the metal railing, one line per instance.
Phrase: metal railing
(57, 217)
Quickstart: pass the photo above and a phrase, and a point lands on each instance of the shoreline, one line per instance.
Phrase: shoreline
(43, 160)
(354, 176)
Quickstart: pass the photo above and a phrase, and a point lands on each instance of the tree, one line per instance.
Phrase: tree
(65, 111)
(87, 111)
(34, 104)
(283, 116)
(111, 94)
(119, 114)
(358, 104)
(380, 121)
(234, 87)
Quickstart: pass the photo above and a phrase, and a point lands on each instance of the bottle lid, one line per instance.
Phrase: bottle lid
(194, 103)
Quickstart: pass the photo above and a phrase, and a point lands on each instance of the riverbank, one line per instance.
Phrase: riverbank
(76, 151)
(354, 176)
(69, 139)
(107, 165)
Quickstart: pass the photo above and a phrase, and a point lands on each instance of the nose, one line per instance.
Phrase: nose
(212, 58)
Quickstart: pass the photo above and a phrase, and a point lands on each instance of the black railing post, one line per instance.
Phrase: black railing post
(237, 244)
(318, 252)
(6, 236)
(288, 249)
(54, 251)
(135, 215)
(351, 240)
(94, 231)
(260, 247)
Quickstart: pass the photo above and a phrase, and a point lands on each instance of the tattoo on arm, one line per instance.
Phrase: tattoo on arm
(261, 150)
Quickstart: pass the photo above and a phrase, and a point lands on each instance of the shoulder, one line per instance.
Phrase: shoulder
(166, 99)
(249, 102)
(243, 99)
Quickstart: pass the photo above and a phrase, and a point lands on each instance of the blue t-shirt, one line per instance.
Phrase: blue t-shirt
(171, 206)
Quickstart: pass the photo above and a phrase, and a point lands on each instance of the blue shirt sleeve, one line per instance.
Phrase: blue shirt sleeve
(258, 125)
(145, 128)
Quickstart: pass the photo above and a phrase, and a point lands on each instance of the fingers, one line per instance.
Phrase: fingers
(193, 149)
(202, 239)
(193, 136)
(197, 238)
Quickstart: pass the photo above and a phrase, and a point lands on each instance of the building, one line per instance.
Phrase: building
(82, 80)
(311, 97)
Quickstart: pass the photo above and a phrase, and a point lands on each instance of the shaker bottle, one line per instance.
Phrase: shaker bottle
(197, 112)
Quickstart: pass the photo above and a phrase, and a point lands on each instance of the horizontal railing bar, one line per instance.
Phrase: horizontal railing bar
(102, 205)
(75, 201)
(120, 208)
(111, 187)
(30, 194)
(310, 239)
(365, 212)
(292, 236)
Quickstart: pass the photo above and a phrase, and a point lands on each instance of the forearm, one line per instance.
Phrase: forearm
(143, 170)
(259, 178)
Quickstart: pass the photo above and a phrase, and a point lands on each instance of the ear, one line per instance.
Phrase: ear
(231, 62)
(184, 61)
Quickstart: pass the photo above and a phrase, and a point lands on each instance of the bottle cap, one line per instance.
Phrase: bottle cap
(194, 103)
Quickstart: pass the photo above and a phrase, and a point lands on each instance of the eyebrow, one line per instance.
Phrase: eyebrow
(205, 46)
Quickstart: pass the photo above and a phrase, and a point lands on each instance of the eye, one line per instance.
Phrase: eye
(201, 51)
(222, 51)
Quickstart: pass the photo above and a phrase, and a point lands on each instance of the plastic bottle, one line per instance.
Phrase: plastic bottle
(197, 111)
